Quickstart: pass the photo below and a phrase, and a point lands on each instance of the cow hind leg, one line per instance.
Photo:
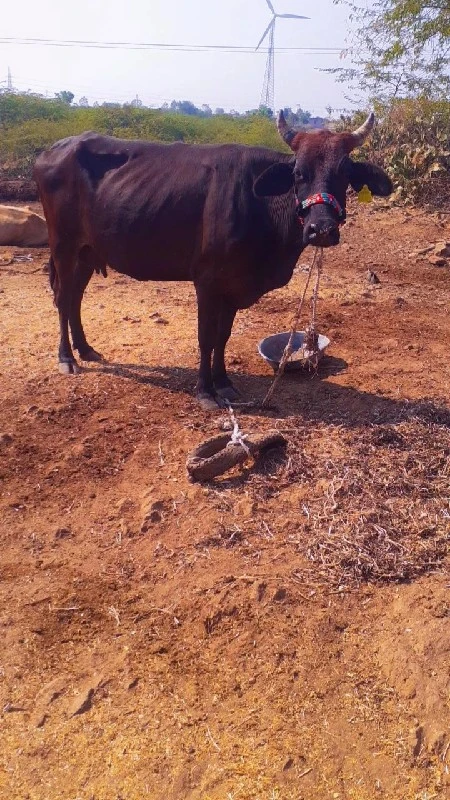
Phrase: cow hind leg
(62, 269)
(83, 274)
(222, 383)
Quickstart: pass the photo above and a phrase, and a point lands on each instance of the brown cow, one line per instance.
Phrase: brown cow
(230, 218)
(21, 227)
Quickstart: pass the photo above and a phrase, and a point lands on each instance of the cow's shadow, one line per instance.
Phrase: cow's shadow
(301, 393)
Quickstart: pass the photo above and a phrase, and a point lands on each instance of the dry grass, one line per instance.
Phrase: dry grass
(377, 505)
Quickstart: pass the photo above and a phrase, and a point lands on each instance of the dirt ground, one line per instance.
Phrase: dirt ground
(282, 633)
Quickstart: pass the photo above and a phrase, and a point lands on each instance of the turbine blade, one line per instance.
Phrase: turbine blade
(291, 16)
(271, 7)
(270, 25)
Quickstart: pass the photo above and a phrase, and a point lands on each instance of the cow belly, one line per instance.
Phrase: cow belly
(146, 248)
(150, 258)
(150, 269)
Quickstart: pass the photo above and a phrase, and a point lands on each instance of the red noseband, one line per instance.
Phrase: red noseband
(318, 199)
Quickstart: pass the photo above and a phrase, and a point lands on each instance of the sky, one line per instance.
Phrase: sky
(220, 79)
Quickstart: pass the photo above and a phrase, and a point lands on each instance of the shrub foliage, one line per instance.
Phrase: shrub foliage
(29, 125)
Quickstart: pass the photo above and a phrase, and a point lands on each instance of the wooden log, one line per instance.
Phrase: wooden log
(217, 455)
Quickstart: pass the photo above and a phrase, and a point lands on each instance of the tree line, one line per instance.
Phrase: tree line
(16, 106)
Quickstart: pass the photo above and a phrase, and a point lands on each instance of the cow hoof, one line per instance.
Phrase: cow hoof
(68, 368)
(207, 402)
(91, 355)
(228, 393)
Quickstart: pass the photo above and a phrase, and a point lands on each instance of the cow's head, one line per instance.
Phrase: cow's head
(320, 175)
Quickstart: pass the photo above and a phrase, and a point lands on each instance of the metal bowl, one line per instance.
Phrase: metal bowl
(272, 348)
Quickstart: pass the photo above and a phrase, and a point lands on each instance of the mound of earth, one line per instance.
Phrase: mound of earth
(279, 633)
(18, 189)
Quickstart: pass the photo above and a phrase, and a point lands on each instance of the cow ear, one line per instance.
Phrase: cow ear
(363, 173)
(277, 179)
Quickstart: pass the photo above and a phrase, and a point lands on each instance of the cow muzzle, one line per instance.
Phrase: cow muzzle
(321, 234)
(321, 229)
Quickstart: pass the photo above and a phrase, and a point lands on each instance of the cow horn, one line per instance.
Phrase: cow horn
(286, 133)
(361, 133)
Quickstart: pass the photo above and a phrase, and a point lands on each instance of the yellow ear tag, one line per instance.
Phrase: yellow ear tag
(365, 195)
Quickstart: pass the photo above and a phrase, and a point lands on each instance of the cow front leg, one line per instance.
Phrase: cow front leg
(222, 383)
(82, 278)
(207, 328)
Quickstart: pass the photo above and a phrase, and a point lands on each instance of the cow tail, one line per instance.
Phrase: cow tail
(54, 281)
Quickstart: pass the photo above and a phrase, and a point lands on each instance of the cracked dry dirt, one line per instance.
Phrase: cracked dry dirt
(282, 633)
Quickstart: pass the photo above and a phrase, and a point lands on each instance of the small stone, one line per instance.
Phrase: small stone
(10, 708)
(372, 277)
(83, 700)
(51, 691)
(416, 740)
(437, 261)
(82, 703)
(442, 249)
(131, 319)
(44, 699)
(124, 504)
(63, 533)
(224, 424)
(5, 439)
(76, 451)
(422, 251)
(153, 515)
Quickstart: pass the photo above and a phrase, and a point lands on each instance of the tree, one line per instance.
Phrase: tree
(185, 107)
(83, 102)
(65, 97)
(265, 111)
(303, 117)
(400, 48)
(261, 111)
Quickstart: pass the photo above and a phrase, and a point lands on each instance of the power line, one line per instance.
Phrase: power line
(193, 48)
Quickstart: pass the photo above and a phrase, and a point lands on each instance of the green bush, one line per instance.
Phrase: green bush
(29, 125)
(412, 141)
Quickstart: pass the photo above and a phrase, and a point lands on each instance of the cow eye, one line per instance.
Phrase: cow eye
(345, 166)
(300, 176)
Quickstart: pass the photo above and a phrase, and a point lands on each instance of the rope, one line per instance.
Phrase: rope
(310, 336)
(310, 344)
(237, 437)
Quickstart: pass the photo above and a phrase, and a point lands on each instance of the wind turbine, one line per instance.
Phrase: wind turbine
(268, 90)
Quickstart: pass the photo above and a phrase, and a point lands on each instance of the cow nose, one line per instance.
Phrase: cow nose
(321, 236)
(311, 232)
